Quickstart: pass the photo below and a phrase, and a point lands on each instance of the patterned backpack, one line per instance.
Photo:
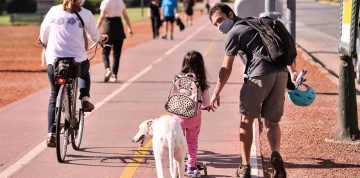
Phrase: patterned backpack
(184, 96)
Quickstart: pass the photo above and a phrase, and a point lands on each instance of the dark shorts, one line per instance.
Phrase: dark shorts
(170, 19)
(189, 12)
(264, 96)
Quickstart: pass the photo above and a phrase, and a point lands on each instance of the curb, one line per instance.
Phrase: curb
(259, 157)
(257, 171)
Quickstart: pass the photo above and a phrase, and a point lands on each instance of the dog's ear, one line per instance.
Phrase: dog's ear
(149, 123)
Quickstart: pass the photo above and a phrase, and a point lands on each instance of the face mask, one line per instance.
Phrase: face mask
(82, 2)
(226, 26)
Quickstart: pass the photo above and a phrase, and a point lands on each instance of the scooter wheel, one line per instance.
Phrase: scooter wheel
(197, 174)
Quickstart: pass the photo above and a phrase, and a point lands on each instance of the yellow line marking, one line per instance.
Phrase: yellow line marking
(164, 114)
(136, 160)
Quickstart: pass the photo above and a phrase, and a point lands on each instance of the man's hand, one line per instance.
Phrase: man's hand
(294, 75)
(215, 98)
(209, 108)
(293, 71)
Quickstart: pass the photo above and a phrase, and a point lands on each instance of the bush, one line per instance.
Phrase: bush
(22, 6)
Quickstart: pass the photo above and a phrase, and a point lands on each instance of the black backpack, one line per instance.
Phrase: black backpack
(277, 40)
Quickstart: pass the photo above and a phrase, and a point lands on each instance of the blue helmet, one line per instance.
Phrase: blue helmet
(302, 98)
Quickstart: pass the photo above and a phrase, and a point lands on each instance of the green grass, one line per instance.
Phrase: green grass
(5, 20)
(134, 15)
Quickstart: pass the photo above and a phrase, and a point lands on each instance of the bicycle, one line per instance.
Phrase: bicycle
(70, 124)
(73, 122)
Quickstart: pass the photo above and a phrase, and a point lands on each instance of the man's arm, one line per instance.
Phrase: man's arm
(224, 73)
(292, 68)
(293, 71)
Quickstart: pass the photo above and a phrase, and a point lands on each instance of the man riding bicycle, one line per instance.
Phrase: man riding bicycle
(64, 34)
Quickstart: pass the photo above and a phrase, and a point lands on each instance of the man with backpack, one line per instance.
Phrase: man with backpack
(267, 50)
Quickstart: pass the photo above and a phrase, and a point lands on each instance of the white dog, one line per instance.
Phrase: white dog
(168, 136)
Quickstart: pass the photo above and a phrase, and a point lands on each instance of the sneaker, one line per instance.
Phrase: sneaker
(193, 172)
(87, 106)
(278, 165)
(51, 141)
(113, 78)
(164, 37)
(108, 74)
(244, 171)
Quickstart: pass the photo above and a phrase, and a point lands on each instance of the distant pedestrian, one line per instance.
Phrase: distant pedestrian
(168, 8)
(189, 11)
(111, 12)
(154, 14)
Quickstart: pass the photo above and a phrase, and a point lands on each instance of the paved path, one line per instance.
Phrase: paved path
(145, 75)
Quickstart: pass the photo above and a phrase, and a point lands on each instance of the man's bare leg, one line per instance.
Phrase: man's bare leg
(273, 134)
(274, 137)
(191, 20)
(165, 31)
(171, 30)
(246, 138)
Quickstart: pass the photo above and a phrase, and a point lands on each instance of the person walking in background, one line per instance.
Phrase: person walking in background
(111, 12)
(154, 14)
(188, 7)
(207, 6)
(168, 8)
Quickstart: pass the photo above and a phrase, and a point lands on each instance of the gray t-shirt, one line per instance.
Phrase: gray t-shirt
(246, 42)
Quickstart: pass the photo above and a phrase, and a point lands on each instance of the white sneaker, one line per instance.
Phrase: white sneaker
(107, 75)
(113, 78)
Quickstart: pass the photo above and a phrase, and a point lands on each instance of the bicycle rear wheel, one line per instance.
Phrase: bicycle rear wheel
(62, 124)
(77, 134)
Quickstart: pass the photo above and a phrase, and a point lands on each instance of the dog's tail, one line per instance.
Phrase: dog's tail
(171, 143)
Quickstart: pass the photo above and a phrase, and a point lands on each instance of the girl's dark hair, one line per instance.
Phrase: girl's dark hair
(194, 63)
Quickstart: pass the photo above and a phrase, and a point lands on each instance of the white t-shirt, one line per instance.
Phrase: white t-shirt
(63, 33)
(113, 8)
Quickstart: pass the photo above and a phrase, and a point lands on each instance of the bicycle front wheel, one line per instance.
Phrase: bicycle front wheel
(77, 134)
(62, 116)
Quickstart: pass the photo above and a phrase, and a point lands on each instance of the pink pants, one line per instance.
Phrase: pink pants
(191, 129)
